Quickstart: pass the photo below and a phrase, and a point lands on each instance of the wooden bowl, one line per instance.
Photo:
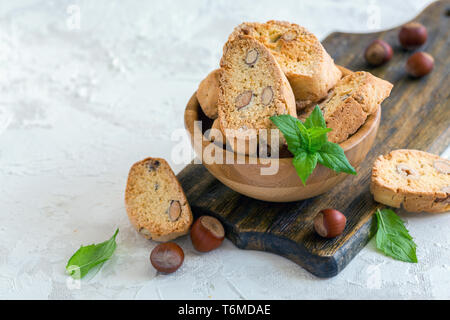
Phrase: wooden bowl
(285, 185)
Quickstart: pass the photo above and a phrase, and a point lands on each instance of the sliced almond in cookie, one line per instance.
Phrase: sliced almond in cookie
(407, 171)
(446, 189)
(289, 36)
(243, 99)
(267, 95)
(251, 57)
(174, 210)
(442, 166)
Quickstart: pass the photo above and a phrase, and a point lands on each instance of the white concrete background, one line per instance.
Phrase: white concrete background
(79, 106)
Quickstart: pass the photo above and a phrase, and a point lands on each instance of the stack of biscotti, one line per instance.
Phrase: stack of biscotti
(417, 180)
(356, 96)
(233, 94)
(308, 67)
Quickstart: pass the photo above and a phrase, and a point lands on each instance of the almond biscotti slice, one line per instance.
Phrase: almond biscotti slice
(155, 201)
(309, 68)
(252, 88)
(355, 97)
(417, 180)
(208, 94)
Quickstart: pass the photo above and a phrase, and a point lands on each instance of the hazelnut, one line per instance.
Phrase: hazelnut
(207, 234)
(267, 95)
(243, 99)
(412, 35)
(167, 257)
(442, 166)
(174, 210)
(251, 57)
(419, 64)
(378, 52)
(329, 223)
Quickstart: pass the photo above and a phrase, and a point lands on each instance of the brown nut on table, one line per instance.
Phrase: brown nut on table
(412, 35)
(329, 223)
(167, 257)
(207, 234)
(419, 64)
(378, 52)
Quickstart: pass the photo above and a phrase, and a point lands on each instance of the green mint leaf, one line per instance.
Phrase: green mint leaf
(288, 126)
(309, 144)
(315, 119)
(305, 138)
(393, 238)
(318, 137)
(332, 156)
(89, 256)
(304, 163)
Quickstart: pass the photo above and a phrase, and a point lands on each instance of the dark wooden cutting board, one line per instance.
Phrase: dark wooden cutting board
(415, 116)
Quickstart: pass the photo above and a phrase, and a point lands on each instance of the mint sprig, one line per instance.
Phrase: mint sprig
(393, 238)
(90, 256)
(309, 144)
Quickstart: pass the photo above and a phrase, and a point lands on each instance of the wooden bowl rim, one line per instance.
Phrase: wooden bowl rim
(191, 114)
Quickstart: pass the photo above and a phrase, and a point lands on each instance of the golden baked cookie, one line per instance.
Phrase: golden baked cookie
(252, 88)
(308, 67)
(208, 94)
(355, 97)
(155, 201)
(417, 180)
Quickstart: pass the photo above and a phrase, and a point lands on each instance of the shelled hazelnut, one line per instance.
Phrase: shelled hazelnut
(207, 234)
(329, 223)
(419, 64)
(412, 35)
(378, 52)
(167, 257)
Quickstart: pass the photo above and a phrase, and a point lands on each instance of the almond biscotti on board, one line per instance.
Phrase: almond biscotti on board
(417, 180)
(309, 68)
(155, 201)
(252, 88)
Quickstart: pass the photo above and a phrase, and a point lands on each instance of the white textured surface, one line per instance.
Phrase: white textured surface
(78, 107)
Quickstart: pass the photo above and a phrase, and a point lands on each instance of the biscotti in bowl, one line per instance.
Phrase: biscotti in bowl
(244, 173)
(308, 67)
(252, 88)
(279, 69)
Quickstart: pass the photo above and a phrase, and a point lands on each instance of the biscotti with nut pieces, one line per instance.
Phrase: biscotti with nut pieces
(355, 97)
(208, 94)
(309, 68)
(417, 180)
(155, 201)
(252, 88)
